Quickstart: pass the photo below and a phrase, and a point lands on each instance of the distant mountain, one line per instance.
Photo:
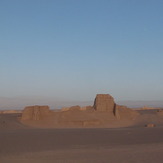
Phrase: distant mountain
(20, 103)
(138, 104)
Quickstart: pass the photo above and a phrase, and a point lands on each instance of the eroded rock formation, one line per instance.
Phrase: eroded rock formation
(74, 108)
(35, 112)
(103, 113)
(122, 112)
(150, 125)
(104, 102)
(160, 112)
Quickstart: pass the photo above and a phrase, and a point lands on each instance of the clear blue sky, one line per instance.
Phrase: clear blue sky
(74, 49)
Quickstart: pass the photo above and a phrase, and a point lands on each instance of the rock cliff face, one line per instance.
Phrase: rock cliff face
(122, 112)
(74, 108)
(104, 113)
(35, 112)
(104, 102)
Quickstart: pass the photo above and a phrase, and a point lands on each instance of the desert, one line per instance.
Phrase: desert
(81, 81)
(104, 132)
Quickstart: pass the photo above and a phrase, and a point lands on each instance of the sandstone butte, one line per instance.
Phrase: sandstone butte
(104, 113)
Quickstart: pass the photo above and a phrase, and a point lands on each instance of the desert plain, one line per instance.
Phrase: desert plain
(102, 133)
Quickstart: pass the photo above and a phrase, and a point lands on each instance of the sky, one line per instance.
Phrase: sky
(75, 49)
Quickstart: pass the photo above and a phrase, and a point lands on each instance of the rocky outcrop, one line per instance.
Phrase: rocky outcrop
(87, 108)
(122, 112)
(74, 108)
(150, 125)
(35, 112)
(104, 102)
(105, 112)
(65, 109)
(160, 112)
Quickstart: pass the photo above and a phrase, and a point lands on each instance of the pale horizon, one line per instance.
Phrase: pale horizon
(19, 103)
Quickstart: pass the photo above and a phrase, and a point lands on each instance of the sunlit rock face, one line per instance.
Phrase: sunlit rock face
(104, 113)
(104, 102)
(122, 112)
(35, 112)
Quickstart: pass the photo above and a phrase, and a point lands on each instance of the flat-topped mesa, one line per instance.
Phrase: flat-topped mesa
(104, 102)
(35, 112)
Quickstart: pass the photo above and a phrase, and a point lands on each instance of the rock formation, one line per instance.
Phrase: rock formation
(122, 112)
(160, 112)
(103, 113)
(74, 108)
(104, 102)
(35, 112)
(150, 125)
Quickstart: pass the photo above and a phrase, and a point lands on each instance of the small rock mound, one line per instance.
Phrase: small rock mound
(160, 112)
(150, 125)
(74, 108)
(35, 112)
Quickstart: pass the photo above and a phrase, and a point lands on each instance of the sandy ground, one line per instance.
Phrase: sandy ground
(137, 144)
(126, 145)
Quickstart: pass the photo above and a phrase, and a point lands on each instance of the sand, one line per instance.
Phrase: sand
(105, 133)
(82, 145)
(136, 144)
